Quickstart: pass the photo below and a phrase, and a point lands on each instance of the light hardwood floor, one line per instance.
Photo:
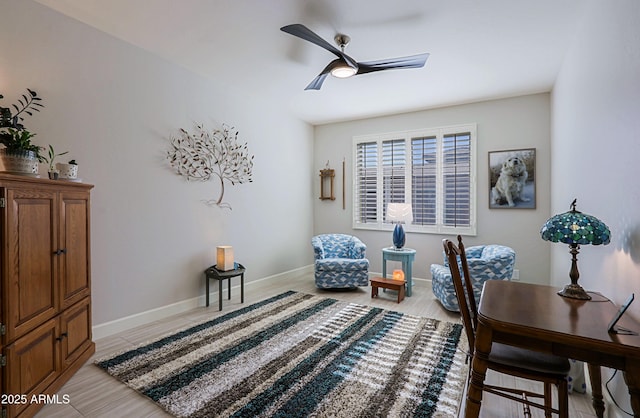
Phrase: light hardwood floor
(93, 393)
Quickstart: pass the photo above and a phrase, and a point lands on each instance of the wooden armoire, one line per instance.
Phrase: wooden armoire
(45, 292)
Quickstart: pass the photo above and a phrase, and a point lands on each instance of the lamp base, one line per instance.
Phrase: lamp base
(574, 291)
(398, 236)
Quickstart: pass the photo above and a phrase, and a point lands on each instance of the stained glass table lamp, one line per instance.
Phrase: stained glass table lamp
(575, 228)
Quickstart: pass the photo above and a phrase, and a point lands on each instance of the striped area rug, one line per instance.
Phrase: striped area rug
(297, 355)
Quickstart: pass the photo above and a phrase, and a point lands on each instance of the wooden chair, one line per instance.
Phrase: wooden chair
(506, 359)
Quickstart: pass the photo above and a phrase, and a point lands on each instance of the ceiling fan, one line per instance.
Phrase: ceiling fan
(345, 66)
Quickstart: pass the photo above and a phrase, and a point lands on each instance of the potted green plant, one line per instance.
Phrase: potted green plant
(68, 170)
(50, 159)
(19, 154)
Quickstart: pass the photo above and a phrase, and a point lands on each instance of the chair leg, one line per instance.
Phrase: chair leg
(547, 399)
(563, 398)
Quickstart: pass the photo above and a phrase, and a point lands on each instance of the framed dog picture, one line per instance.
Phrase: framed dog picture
(512, 179)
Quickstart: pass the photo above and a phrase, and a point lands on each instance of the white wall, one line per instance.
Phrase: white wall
(521, 122)
(113, 106)
(596, 146)
(595, 149)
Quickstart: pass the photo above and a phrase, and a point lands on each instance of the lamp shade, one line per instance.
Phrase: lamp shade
(224, 258)
(575, 227)
(400, 212)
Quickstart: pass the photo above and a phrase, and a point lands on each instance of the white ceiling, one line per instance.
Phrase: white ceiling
(479, 49)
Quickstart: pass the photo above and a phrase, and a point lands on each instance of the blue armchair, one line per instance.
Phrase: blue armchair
(486, 262)
(340, 261)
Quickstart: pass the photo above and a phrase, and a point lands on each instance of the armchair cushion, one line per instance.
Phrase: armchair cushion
(486, 262)
(340, 261)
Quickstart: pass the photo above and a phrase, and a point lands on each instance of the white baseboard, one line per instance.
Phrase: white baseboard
(107, 329)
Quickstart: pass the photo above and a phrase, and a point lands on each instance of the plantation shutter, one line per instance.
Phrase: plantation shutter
(424, 171)
(433, 169)
(456, 169)
(366, 182)
(394, 163)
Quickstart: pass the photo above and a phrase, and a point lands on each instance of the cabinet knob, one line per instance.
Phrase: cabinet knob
(64, 334)
(62, 251)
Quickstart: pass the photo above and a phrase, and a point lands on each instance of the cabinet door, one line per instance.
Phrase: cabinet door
(75, 327)
(31, 281)
(74, 241)
(33, 363)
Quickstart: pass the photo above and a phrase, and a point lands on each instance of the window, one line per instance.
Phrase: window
(434, 169)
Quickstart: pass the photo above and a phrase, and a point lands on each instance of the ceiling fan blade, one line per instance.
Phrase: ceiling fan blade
(317, 82)
(413, 61)
(307, 34)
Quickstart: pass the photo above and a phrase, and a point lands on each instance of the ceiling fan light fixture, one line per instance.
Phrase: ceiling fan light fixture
(343, 71)
(345, 66)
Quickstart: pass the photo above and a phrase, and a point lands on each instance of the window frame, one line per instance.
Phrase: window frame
(439, 132)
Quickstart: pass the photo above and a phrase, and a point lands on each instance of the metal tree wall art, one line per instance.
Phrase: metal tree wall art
(208, 154)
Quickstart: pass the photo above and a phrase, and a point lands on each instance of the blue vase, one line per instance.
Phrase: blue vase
(398, 236)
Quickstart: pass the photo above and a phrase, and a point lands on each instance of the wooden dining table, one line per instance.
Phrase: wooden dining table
(536, 317)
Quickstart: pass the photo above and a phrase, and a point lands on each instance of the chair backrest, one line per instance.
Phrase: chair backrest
(333, 246)
(464, 288)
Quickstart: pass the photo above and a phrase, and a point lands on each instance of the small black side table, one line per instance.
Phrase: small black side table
(213, 273)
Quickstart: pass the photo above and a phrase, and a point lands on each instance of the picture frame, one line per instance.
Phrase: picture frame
(512, 179)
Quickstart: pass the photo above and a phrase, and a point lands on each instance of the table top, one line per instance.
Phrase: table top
(383, 280)
(222, 273)
(537, 311)
(403, 250)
